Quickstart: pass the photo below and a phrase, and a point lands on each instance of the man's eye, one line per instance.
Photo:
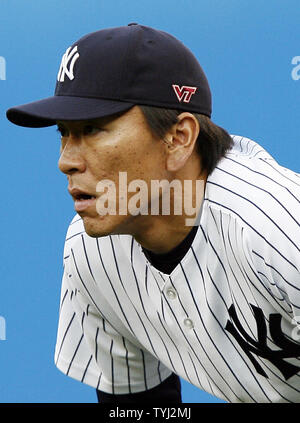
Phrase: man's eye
(62, 131)
(90, 130)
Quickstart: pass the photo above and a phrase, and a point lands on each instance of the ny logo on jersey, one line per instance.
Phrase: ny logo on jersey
(69, 58)
(184, 93)
(287, 348)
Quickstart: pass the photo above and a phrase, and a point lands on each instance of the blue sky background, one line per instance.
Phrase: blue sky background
(246, 49)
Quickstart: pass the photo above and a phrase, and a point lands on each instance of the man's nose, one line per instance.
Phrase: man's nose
(71, 159)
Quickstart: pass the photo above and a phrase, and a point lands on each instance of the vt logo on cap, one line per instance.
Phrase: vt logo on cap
(67, 57)
(184, 93)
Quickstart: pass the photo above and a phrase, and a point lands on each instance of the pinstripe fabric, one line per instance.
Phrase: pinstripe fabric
(227, 327)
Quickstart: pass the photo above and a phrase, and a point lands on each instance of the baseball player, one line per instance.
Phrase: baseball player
(146, 298)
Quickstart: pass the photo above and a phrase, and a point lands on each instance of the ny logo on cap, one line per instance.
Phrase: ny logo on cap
(69, 58)
(184, 93)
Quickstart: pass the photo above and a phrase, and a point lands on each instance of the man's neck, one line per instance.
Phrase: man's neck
(160, 234)
(162, 237)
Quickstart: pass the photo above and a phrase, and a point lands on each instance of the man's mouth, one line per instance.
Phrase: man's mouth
(82, 200)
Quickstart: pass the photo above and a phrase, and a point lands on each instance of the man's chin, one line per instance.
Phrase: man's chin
(92, 227)
(97, 228)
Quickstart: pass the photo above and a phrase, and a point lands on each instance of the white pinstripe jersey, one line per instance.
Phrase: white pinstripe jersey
(224, 319)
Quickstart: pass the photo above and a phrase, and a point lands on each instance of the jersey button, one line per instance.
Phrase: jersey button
(171, 294)
(188, 323)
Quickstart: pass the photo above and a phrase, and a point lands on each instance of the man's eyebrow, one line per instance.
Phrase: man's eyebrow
(99, 121)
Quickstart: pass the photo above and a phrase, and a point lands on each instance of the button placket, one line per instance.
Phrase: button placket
(188, 323)
(171, 294)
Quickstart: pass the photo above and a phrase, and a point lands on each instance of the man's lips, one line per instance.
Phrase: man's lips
(82, 199)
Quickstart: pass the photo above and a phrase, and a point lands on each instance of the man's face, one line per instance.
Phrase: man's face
(97, 150)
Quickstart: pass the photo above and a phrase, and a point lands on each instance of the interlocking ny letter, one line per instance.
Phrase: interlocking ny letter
(250, 346)
(63, 69)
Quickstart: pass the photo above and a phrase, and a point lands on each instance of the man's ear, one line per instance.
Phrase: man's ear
(180, 141)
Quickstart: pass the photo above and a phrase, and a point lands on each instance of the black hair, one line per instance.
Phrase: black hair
(213, 141)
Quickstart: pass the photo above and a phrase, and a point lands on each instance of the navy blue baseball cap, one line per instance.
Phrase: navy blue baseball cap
(111, 70)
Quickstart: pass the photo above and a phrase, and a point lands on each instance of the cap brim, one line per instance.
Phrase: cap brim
(46, 112)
